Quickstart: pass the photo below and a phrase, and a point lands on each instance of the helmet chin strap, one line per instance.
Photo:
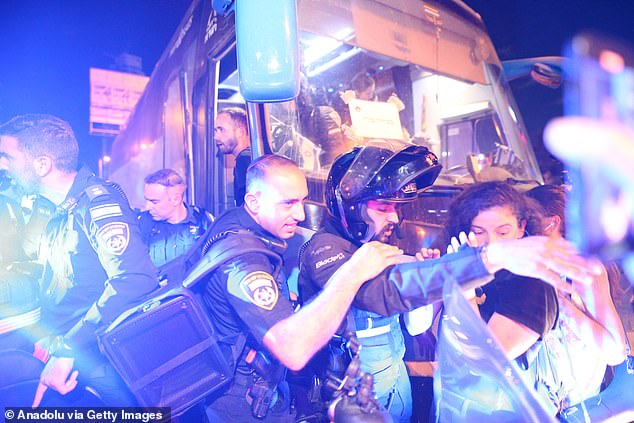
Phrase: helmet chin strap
(370, 233)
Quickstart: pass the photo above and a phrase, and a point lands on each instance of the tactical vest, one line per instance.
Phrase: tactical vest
(167, 349)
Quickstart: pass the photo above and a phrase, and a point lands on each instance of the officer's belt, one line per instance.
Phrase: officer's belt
(12, 323)
(369, 326)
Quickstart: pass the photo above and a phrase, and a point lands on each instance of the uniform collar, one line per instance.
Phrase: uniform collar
(333, 226)
(191, 217)
(239, 218)
(80, 183)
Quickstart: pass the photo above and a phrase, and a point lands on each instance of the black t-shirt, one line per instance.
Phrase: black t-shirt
(243, 160)
(528, 301)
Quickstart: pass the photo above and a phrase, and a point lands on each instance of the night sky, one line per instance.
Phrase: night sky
(47, 47)
(533, 28)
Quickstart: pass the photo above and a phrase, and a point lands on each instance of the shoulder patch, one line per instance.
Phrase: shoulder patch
(261, 289)
(95, 191)
(114, 237)
(104, 211)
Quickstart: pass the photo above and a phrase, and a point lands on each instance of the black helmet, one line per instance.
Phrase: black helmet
(381, 170)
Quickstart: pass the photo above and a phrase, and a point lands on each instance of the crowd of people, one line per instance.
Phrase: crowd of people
(506, 250)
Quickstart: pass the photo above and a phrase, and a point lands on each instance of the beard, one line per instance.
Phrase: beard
(26, 183)
(385, 233)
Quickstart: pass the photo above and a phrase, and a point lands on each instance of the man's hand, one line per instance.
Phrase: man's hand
(57, 375)
(372, 258)
(542, 258)
(427, 254)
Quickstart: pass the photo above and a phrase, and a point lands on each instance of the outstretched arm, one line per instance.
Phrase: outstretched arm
(599, 324)
(297, 338)
(542, 258)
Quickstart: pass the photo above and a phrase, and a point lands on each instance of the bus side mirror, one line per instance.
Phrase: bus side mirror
(268, 50)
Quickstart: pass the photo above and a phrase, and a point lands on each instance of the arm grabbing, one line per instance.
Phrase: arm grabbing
(297, 338)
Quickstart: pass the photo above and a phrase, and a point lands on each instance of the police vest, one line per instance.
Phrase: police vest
(167, 349)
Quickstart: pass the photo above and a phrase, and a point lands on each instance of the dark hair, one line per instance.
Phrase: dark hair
(486, 195)
(238, 116)
(552, 199)
(165, 177)
(44, 135)
(259, 168)
(362, 81)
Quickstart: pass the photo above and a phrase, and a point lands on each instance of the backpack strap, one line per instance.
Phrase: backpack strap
(228, 245)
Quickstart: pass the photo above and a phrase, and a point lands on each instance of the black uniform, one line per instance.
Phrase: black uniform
(397, 289)
(97, 267)
(245, 296)
(528, 301)
(167, 241)
(243, 160)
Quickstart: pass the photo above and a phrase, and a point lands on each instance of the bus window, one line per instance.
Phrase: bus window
(174, 128)
(447, 95)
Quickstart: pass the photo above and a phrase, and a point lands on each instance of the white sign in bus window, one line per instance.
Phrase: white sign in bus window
(375, 119)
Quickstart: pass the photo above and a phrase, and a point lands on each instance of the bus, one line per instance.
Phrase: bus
(435, 73)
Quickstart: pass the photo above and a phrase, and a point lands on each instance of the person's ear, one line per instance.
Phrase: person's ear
(42, 165)
(174, 195)
(252, 202)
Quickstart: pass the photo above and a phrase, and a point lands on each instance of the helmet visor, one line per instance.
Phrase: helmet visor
(367, 164)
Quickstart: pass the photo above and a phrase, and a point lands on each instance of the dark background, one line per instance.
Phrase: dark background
(534, 28)
(48, 46)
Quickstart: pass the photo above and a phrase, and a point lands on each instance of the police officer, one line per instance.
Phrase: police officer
(169, 226)
(22, 230)
(363, 190)
(19, 299)
(246, 297)
(97, 265)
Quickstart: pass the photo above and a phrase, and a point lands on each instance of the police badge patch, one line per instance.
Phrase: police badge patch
(114, 237)
(261, 289)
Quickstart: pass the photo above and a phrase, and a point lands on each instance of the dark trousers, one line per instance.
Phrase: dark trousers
(422, 399)
(232, 405)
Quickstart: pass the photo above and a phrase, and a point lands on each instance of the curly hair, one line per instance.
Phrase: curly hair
(486, 195)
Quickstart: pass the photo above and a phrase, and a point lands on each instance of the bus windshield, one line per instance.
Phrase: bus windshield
(435, 81)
